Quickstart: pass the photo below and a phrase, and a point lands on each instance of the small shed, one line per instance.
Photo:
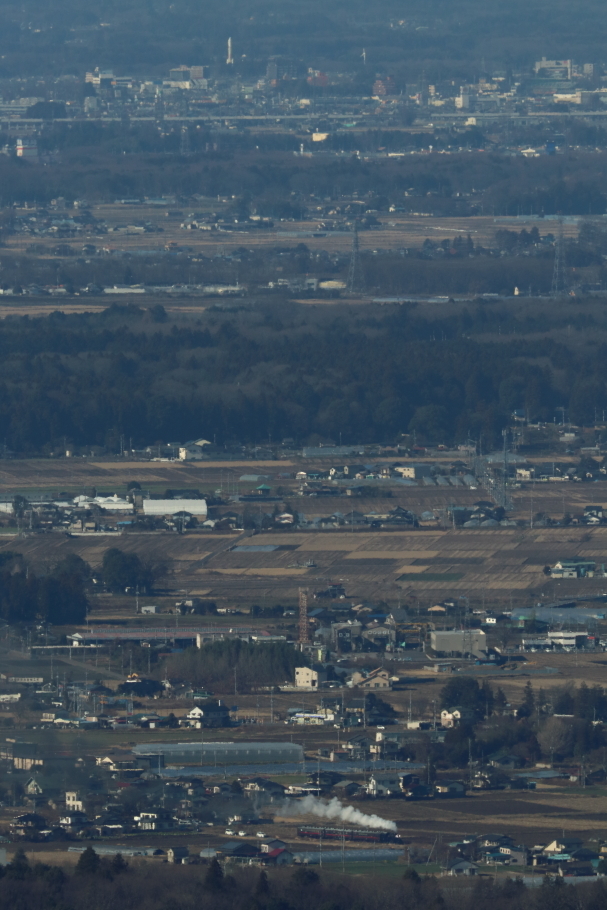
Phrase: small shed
(177, 854)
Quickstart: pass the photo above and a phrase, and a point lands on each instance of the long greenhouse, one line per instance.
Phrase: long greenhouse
(220, 754)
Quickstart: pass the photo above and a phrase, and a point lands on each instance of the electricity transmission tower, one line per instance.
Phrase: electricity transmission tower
(355, 276)
(558, 272)
(304, 626)
(184, 148)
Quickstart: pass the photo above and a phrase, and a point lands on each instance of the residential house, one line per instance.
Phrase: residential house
(384, 784)
(262, 785)
(272, 843)
(376, 679)
(33, 788)
(24, 825)
(453, 717)
(214, 714)
(351, 471)
(562, 845)
(515, 855)
(345, 789)
(73, 821)
(309, 678)
(450, 788)
(160, 820)
(418, 791)
(238, 850)
(493, 841)
(574, 567)
(413, 471)
(463, 867)
(73, 802)
(359, 747)
(525, 474)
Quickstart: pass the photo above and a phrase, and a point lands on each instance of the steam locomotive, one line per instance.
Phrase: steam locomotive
(369, 835)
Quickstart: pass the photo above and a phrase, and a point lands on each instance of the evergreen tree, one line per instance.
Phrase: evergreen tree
(19, 868)
(119, 864)
(214, 877)
(88, 864)
(500, 701)
(263, 886)
(411, 875)
(528, 705)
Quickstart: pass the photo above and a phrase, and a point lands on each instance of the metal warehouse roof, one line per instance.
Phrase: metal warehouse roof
(226, 752)
(164, 634)
(259, 548)
(171, 506)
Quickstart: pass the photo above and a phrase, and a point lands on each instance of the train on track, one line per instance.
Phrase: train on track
(368, 835)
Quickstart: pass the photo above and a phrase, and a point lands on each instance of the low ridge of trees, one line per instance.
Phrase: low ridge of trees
(228, 666)
(58, 597)
(103, 881)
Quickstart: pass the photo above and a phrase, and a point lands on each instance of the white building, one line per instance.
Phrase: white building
(384, 784)
(193, 451)
(197, 507)
(114, 503)
(73, 802)
(306, 678)
(450, 718)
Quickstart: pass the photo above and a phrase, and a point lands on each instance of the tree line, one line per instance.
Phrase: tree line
(234, 165)
(229, 667)
(266, 369)
(98, 882)
(58, 597)
(558, 724)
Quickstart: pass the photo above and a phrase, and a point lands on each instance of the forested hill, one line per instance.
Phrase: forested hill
(261, 370)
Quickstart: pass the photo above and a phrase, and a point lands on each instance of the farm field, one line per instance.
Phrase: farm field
(396, 231)
(488, 566)
(493, 566)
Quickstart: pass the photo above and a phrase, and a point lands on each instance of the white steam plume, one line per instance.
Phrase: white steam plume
(334, 809)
